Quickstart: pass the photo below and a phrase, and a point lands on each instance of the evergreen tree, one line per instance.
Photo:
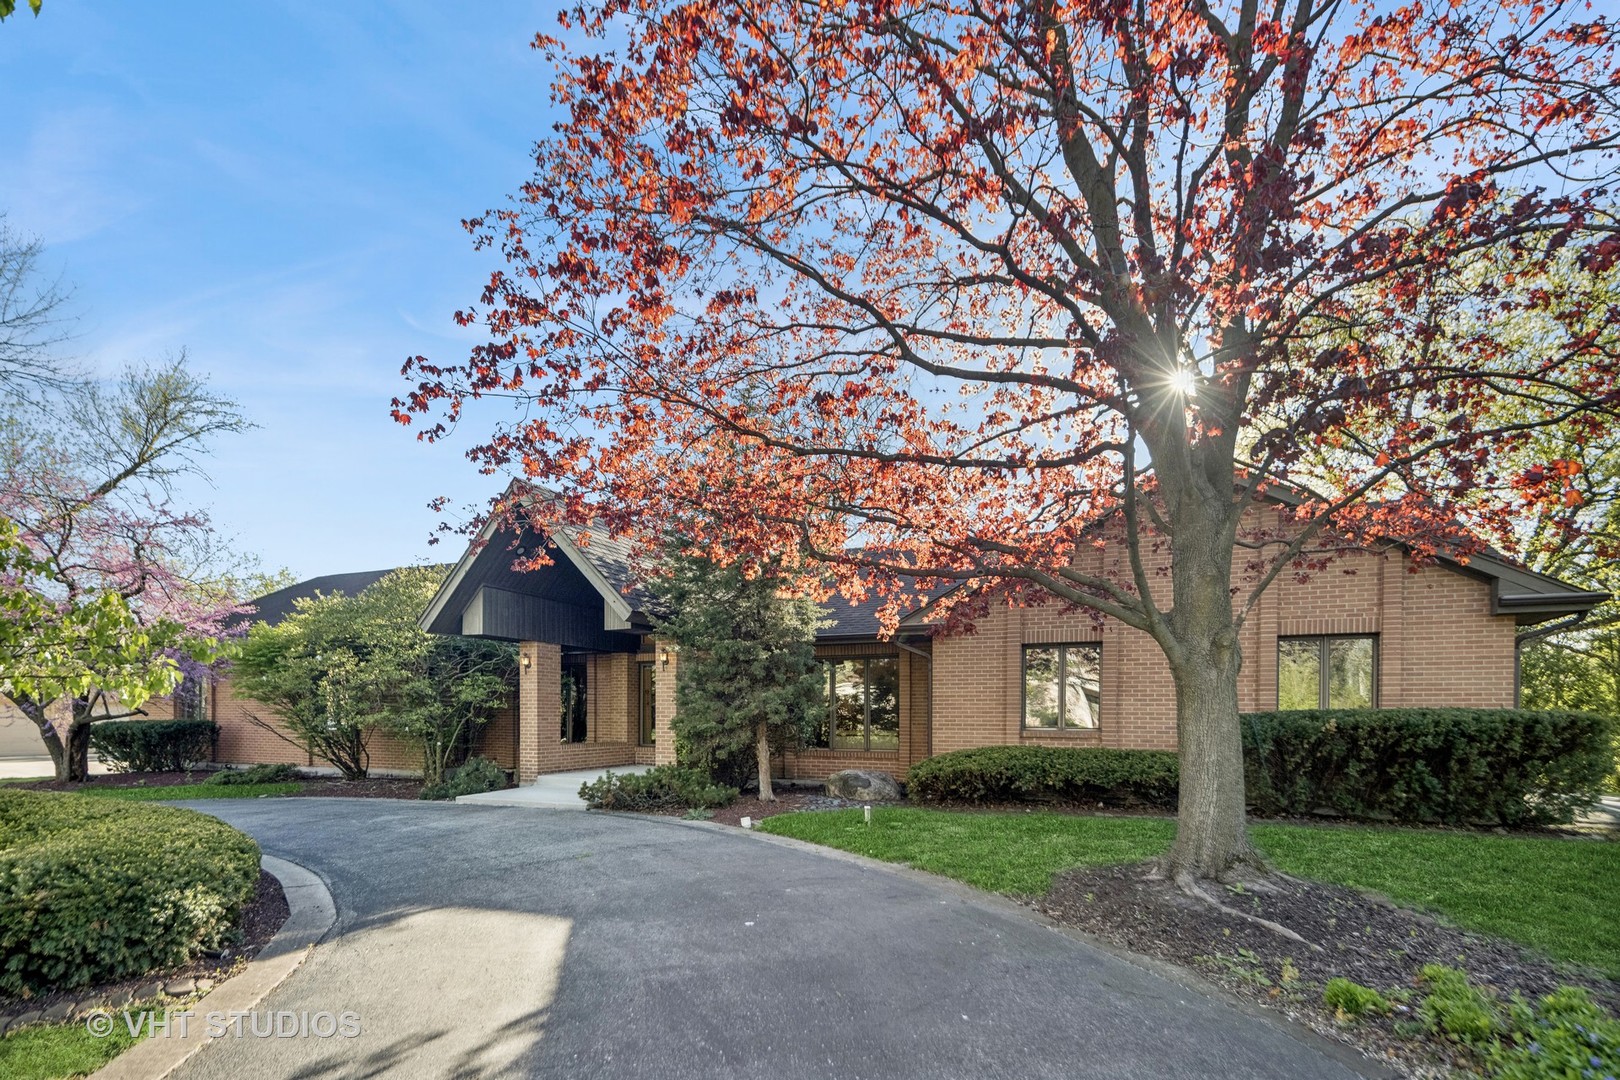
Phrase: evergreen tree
(748, 675)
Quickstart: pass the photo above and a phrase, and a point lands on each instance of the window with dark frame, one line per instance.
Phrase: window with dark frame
(647, 679)
(574, 697)
(1062, 687)
(191, 699)
(861, 698)
(1338, 671)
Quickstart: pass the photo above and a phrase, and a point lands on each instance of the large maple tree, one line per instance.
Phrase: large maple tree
(948, 290)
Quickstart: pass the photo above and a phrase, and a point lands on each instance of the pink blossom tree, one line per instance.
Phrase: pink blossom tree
(91, 499)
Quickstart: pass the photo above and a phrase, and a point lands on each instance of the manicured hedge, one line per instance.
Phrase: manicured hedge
(94, 890)
(1045, 773)
(1450, 766)
(154, 745)
(665, 787)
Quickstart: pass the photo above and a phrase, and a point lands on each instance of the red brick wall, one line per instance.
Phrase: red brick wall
(1438, 645)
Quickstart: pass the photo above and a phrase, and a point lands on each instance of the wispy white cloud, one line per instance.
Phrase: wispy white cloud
(68, 183)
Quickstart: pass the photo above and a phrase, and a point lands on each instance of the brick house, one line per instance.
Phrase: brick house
(1369, 631)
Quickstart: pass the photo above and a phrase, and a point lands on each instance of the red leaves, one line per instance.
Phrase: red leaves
(1602, 256)
(799, 276)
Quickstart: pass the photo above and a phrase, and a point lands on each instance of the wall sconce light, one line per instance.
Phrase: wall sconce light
(524, 660)
(663, 657)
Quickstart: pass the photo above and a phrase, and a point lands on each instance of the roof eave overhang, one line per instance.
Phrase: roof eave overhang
(1534, 607)
(452, 580)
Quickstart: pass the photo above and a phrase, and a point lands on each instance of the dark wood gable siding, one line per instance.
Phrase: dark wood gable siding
(510, 616)
(552, 603)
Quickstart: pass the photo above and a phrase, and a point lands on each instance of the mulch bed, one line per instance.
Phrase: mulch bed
(377, 787)
(1363, 937)
(121, 780)
(789, 800)
(256, 925)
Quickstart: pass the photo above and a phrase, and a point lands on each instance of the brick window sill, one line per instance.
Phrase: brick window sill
(822, 751)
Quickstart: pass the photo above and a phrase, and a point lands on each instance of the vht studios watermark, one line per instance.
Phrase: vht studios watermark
(238, 1023)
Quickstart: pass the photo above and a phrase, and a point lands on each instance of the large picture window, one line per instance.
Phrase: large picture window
(862, 703)
(1327, 672)
(1062, 687)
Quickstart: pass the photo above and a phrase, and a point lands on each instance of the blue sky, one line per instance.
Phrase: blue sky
(278, 188)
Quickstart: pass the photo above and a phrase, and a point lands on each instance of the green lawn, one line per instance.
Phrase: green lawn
(190, 791)
(63, 1050)
(1556, 895)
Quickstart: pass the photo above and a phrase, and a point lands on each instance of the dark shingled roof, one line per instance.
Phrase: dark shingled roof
(273, 607)
(850, 620)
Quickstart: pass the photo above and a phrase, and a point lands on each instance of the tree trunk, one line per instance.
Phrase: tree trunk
(76, 758)
(35, 711)
(1212, 836)
(762, 749)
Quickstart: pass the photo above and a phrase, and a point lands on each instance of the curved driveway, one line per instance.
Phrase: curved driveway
(490, 941)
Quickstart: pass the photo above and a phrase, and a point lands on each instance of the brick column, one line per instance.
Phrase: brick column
(1391, 667)
(539, 705)
(665, 675)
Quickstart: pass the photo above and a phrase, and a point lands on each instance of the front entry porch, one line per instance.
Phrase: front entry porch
(584, 711)
(549, 791)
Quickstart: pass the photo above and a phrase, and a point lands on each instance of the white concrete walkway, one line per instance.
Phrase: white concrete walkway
(550, 791)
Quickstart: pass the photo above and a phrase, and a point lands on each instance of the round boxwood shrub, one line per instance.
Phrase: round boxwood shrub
(93, 890)
(1047, 773)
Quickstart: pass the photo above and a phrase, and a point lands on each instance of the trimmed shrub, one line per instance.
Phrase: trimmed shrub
(1452, 1006)
(666, 787)
(1041, 773)
(256, 774)
(154, 745)
(1353, 1000)
(93, 890)
(1451, 766)
(476, 774)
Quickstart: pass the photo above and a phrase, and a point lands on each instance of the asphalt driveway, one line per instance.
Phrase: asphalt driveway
(488, 941)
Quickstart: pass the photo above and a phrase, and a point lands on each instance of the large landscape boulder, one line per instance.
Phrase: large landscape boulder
(863, 786)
